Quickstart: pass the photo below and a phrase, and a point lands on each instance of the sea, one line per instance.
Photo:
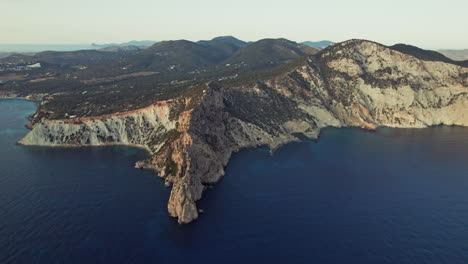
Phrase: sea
(352, 196)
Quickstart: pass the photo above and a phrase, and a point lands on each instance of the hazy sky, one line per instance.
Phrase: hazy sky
(428, 24)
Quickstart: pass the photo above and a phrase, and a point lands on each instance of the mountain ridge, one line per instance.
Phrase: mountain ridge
(129, 43)
(428, 55)
(318, 44)
(157, 72)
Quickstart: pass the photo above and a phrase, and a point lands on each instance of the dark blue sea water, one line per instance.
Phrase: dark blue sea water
(393, 196)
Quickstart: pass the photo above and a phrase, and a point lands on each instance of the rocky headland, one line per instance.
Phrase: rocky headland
(191, 137)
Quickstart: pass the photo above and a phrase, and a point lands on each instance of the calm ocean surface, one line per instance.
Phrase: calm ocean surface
(394, 196)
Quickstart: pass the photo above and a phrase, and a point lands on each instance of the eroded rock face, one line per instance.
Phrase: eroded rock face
(354, 83)
(140, 128)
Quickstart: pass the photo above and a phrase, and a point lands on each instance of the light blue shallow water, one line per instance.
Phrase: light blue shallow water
(394, 196)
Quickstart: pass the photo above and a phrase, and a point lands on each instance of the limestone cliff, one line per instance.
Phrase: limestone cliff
(191, 137)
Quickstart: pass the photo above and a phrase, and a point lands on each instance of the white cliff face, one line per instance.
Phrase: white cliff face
(384, 87)
(139, 128)
(355, 83)
(404, 107)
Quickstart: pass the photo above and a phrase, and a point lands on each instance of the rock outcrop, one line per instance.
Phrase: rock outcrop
(191, 138)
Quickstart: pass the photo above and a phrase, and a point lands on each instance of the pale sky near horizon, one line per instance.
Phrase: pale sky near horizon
(427, 24)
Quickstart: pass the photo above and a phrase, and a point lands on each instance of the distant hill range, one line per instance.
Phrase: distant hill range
(221, 55)
(426, 55)
(226, 40)
(130, 43)
(184, 56)
(122, 48)
(457, 55)
(270, 52)
(318, 44)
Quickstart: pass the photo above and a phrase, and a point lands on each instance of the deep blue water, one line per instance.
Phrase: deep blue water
(393, 196)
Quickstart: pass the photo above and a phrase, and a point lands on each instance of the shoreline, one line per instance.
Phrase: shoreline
(180, 193)
(69, 145)
(30, 98)
(302, 138)
(298, 139)
(305, 139)
(145, 149)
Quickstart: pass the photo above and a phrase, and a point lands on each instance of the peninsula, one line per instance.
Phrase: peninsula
(192, 104)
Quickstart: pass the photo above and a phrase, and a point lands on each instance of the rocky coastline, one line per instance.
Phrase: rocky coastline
(190, 138)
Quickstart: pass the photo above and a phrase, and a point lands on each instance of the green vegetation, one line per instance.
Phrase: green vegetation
(261, 75)
(90, 83)
(268, 53)
(170, 167)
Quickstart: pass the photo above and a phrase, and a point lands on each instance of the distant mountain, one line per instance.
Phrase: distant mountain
(224, 39)
(224, 56)
(121, 48)
(183, 55)
(457, 55)
(168, 61)
(270, 52)
(130, 43)
(427, 55)
(318, 44)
